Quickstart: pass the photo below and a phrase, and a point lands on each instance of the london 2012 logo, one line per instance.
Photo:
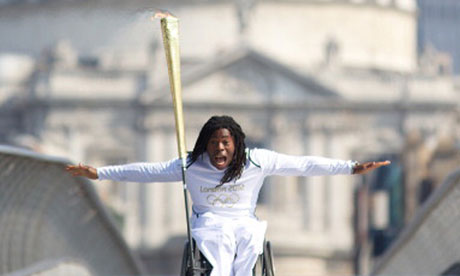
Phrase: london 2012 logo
(223, 200)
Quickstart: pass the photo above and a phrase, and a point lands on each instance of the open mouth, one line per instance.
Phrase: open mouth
(220, 160)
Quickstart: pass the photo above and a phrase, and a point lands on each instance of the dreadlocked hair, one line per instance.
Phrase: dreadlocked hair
(235, 168)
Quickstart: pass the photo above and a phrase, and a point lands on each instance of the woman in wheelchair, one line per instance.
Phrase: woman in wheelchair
(224, 179)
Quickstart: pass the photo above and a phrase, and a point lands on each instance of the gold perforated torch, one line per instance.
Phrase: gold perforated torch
(170, 30)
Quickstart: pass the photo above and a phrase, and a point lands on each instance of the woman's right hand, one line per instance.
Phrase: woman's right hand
(82, 170)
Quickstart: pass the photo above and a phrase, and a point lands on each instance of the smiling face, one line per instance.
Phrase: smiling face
(221, 148)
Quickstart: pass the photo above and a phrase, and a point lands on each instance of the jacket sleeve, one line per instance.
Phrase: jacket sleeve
(168, 171)
(273, 163)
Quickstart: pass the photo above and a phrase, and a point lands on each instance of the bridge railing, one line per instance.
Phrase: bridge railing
(429, 245)
(47, 215)
(57, 267)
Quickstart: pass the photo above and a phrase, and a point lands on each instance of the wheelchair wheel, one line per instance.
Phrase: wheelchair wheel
(265, 265)
(202, 265)
(258, 269)
(185, 261)
(268, 259)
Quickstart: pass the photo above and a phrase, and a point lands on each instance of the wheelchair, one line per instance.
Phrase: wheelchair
(263, 267)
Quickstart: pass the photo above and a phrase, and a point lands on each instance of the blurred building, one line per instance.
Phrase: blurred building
(88, 80)
(438, 33)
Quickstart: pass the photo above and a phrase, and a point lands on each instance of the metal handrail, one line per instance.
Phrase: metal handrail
(46, 265)
(421, 215)
(89, 194)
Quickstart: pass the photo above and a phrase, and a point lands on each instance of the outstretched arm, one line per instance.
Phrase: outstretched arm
(82, 170)
(134, 172)
(369, 166)
(273, 163)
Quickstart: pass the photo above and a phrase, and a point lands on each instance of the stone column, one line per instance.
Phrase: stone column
(287, 140)
(316, 188)
(304, 183)
(340, 195)
(154, 197)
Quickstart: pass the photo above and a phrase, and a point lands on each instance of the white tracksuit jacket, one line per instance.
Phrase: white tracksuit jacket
(224, 225)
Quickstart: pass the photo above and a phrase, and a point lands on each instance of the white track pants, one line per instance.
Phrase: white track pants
(231, 245)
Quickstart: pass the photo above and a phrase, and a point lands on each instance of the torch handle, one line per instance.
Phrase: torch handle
(170, 30)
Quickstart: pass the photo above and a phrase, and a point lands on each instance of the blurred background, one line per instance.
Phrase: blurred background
(351, 79)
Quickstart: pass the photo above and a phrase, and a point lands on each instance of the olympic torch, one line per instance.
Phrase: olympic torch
(170, 30)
